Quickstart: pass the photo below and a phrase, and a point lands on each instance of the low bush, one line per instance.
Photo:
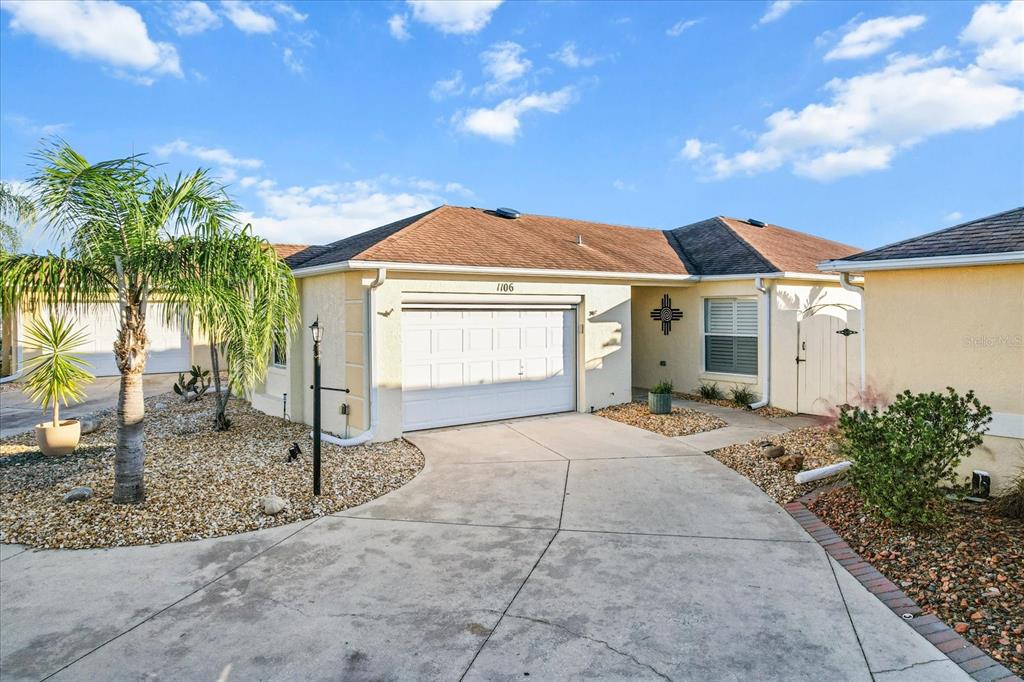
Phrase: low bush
(1011, 503)
(662, 388)
(901, 455)
(742, 395)
(710, 392)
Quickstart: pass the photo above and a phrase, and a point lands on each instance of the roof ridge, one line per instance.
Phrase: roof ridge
(677, 244)
(936, 232)
(771, 266)
(558, 217)
(425, 218)
(791, 230)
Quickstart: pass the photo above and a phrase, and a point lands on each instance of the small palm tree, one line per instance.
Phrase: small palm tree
(130, 237)
(56, 375)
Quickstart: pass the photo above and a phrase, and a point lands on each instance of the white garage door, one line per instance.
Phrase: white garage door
(465, 366)
(169, 347)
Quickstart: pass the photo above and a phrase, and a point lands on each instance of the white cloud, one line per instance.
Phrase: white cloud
(448, 87)
(873, 36)
(623, 186)
(287, 11)
(776, 10)
(398, 25)
(29, 127)
(105, 31)
(998, 31)
(692, 149)
(246, 19)
(323, 213)
(504, 63)
(190, 18)
(953, 217)
(868, 119)
(676, 29)
(214, 155)
(454, 16)
(501, 123)
(571, 58)
(833, 165)
(292, 60)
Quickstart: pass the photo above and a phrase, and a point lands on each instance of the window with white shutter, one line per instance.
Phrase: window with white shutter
(730, 335)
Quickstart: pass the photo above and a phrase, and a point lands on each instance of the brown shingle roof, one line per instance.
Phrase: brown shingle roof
(788, 250)
(453, 235)
(286, 251)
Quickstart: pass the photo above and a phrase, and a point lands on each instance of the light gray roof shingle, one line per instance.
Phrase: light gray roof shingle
(999, 233)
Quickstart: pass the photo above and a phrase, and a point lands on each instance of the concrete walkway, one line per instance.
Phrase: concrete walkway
(18, 413)
(560, 548)
(743, 425)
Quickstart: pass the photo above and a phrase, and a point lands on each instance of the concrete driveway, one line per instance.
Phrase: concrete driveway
(18, 413)
(555, 548)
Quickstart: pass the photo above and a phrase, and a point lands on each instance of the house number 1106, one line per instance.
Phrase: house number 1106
(505, 287)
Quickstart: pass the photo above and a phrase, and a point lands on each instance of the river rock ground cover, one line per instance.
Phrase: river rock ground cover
(680, 422)
(199, 482)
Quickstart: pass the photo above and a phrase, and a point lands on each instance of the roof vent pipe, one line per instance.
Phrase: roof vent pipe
(509, 213)
(755, 222)
(579, 240)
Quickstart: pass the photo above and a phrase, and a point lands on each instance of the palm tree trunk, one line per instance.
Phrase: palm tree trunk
(220, 401)
(129, 461)
(56, 413)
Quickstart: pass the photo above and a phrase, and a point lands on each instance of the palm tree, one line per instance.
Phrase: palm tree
(15, 209)
(245, 300)
(133, 237)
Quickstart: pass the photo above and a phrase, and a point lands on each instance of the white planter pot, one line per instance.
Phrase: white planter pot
(58, 440)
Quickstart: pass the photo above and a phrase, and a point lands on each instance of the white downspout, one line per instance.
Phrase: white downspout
(371, 372)
(766, 335)
(844, 280)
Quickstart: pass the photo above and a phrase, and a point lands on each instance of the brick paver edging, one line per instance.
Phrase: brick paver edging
(970, 658)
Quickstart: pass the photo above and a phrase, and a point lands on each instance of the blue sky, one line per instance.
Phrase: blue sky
(861, 122)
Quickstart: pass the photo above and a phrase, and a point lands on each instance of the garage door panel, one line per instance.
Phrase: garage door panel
(169, 347)
(506, 363)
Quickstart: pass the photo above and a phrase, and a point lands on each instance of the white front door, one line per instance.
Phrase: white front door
(465, 366)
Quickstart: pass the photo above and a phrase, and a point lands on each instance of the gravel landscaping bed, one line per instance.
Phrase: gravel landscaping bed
(767, 411)
(815, 443)
(968, 569)
(681, 422)
(199, 483)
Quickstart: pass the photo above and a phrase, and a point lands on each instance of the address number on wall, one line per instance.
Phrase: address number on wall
(505, 287)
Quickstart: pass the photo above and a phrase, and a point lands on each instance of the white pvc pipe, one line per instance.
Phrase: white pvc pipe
(766, 331)
(844, 281)
(822, 472)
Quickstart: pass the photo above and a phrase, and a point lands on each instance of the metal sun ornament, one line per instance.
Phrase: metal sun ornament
(666, 314)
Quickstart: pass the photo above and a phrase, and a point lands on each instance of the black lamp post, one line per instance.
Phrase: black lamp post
(318, 335)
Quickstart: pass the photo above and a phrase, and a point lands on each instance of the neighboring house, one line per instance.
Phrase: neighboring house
(463, 315)
(172, 348)
(947, 309)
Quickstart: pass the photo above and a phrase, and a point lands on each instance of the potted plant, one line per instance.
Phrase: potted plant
(55, 375)
(659, 398)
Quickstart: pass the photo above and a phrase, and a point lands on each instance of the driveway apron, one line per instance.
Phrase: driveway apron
(560, 547)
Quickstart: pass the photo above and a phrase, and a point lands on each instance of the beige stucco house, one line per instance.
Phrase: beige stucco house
(462, 315)
(947, 309)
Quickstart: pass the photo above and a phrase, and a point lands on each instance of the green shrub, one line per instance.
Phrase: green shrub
(742, 395)
(710, 392)
(1011, 503)
(662, 387)
(901, 455)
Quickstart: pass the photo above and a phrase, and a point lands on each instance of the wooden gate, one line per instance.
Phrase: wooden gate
(826, 357)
